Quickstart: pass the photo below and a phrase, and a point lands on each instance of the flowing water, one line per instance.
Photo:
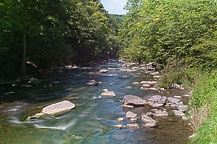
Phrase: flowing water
(93, 119)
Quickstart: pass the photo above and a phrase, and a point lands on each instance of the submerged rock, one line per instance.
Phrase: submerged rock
(92, 83)
(133, 100)
(54, 109)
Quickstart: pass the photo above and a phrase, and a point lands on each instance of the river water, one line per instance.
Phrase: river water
(93, 119)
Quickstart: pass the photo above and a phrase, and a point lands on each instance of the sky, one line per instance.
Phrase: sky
(114, 6)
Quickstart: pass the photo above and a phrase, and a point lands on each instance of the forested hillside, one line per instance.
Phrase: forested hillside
(180, 36)
(165, 30)
(53, 33)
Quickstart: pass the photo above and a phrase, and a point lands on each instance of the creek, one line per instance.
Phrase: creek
(93, 119)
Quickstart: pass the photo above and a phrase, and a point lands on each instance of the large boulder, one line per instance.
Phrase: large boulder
(54, 109)
(133, 100)
(59, 107)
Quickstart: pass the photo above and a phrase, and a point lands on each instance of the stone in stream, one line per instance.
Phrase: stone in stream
(54, 109)
(108, 93)
(148, 82)
(127, 106)
(119, 126)
(182, 108)
(133, 100)
(155, 105)
(147, 119)
(160, 113)
(157, 101)
(103, 71)
(130, 115)
(178, 97)
(120, 119)
(92, 83)
(150, 125)
(133, 119)
(173, 100)
(178, 113)
(133, 126)
(146, 85)
(135, 83)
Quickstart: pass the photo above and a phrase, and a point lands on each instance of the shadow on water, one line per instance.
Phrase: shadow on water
(93, 119)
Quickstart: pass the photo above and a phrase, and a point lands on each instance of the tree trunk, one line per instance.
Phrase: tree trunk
(24, 54)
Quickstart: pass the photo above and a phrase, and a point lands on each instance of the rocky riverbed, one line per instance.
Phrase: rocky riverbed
(116, 102)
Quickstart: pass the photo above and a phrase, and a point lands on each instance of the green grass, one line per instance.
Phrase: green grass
(205, 96)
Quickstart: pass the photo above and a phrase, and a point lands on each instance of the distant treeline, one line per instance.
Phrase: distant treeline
(51, 33)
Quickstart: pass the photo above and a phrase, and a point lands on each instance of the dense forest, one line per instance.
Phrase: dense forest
(179, 36)
(53, 33)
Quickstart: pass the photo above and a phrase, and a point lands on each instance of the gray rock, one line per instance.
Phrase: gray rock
(150, 125)
(108, 93)
(155, 105)
(54, 109)
(160, 113)
(173, 100)
(155, 98)
(148, 82)
(92, 83)
(133, 100)
(59, 107)
(127, 106)
(178, 113)
(157, 101)
(135, 83)
(182, 108)
(103, 71)
(130, 115)
(149, 114)
(147, 119)
(119, 126)
(134, 126)
(146, 85)
(133, 119)
(120, 119)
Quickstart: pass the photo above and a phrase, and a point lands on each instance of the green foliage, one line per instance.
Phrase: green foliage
(58, 32)
(205, 93)
(162, 29)
(119, 18)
